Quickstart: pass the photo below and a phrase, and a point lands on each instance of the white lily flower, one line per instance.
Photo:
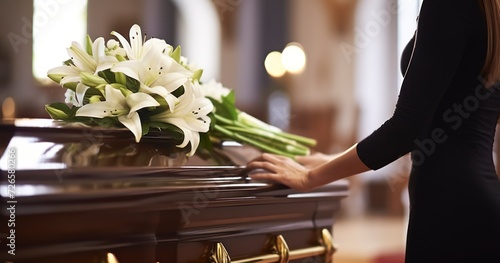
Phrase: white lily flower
(125, 108)
(70, 97)
(214, 90)
(76, 98)
(83, 62)
(157, 74)
(190, 115)
(136, 49)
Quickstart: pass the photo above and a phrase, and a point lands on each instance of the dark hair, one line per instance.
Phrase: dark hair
(491, 69)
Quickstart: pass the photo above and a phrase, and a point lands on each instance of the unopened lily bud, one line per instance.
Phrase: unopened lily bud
(120, 78)
(95, 98)
(92, 80)
(56, 113)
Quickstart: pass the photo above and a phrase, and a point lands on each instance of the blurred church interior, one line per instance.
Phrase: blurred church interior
(327, 69)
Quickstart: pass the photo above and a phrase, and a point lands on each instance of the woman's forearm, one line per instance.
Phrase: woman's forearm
(342, 166)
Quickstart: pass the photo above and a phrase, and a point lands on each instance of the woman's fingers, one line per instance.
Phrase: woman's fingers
(264, 176)
(261, 165)
(280, 169)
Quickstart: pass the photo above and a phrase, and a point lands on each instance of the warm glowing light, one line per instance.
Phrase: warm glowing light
(273, 64)
(294, 58)
(9, 108)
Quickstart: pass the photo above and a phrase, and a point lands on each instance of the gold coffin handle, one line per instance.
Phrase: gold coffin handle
(279, 251)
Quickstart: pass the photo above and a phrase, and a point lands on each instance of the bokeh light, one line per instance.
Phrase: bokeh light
(294, 58)
(9, 108)
(273, 64)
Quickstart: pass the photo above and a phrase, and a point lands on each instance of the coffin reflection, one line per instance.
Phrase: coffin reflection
(81, 193)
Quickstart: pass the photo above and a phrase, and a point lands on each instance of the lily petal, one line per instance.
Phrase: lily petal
(169, 98)
(135, 42)
(101, 109)
(115, 95)
(80, 93)
(158, 45)
(124, 43)
(174, 75)
(81, 59)
(130, 68)
(98, 48)
(70, 78)
(115, 105)
(181, 124)
(133, 123)
(61, 73)
(190, 136)
(137, 101)
(106, 62)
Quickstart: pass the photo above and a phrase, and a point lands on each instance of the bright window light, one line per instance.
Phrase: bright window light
(56, 23)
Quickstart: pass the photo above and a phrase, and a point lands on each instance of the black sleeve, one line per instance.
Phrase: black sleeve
(443, 32)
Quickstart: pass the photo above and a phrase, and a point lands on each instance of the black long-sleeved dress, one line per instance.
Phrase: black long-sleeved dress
(446, 118)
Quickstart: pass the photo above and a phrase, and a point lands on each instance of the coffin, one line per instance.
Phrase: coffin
(79, 194)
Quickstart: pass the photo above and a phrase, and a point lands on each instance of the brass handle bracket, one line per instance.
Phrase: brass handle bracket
(280, 253)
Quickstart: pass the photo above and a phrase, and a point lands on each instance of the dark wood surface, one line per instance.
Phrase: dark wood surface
(84, 192)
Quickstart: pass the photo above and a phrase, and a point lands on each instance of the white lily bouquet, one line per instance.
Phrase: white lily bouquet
(147, 84)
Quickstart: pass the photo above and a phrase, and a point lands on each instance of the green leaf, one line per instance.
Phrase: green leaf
(133, 84)
(211, 115)
(108, 75)
(205, 143)
(228, 102)
(178, 92)
(93, 92)
(172, 130)
(224, 109)
(145, 127)
(230, 98)
(157, 110)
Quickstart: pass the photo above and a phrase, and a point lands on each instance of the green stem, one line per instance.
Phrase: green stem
(268, 135)
(300, 139)
(227, 121)
(292, 149)
(241, 138)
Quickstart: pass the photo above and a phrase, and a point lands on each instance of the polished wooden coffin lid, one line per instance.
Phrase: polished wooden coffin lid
(87, 189)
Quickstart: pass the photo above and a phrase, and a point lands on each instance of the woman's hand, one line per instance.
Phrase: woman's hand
(316, 170)
(280, 169)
